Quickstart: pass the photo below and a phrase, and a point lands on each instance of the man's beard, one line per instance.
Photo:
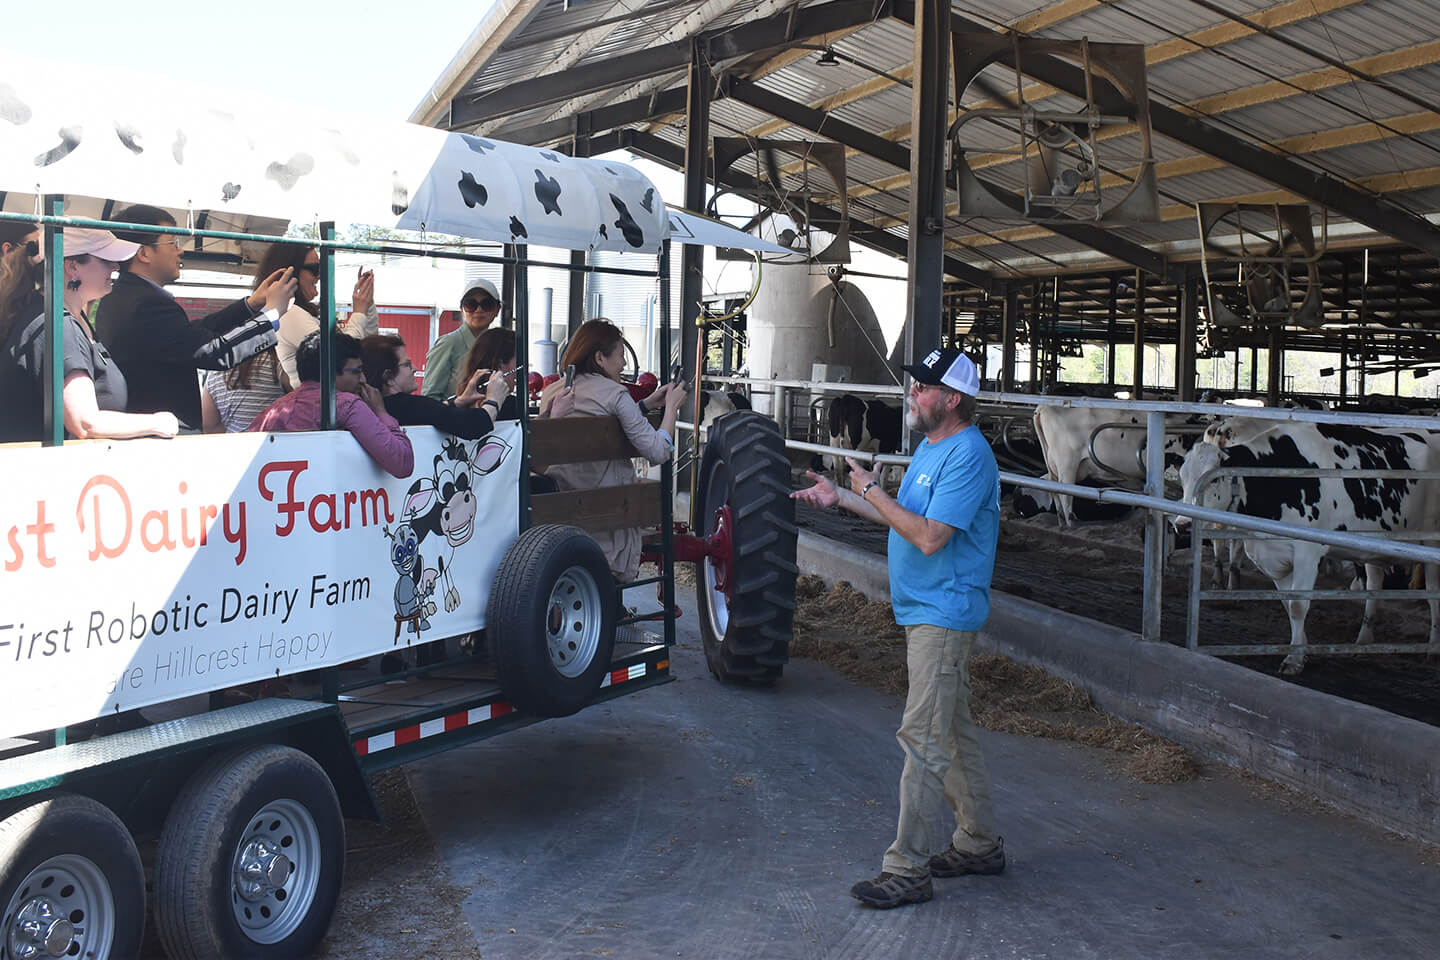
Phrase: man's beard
(916, 420)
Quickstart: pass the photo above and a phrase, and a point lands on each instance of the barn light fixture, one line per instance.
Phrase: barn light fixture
(827, 58)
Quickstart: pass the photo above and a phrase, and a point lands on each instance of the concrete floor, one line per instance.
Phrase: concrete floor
(696, 820)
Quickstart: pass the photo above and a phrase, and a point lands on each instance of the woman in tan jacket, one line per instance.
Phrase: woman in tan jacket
(598, 352)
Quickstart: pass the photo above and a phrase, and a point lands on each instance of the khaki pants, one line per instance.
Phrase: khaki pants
(942, 757)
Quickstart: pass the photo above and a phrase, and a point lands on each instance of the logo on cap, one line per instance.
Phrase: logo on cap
(934, 358)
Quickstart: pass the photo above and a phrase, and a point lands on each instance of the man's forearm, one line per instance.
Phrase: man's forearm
(850, 500)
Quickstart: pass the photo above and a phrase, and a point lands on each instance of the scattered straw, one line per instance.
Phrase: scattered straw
(859, 637)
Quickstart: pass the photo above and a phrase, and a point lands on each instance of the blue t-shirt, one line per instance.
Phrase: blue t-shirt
(956, 483)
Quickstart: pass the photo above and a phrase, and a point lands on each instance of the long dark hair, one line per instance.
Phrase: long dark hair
(19, 286)
(493, 348)
(263, 367)
(278, 257)
(594, 336)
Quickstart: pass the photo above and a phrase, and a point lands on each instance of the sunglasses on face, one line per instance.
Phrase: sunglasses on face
(311, 268)
(470, 304)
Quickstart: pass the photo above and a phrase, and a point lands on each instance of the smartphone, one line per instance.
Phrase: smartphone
(570, 376)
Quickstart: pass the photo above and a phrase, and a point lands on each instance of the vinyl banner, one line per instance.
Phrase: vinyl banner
(141, 571)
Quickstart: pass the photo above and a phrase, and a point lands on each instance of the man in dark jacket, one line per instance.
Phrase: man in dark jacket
(155, 343)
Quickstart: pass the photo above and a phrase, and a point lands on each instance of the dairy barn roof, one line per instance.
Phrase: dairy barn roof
(1331, 102)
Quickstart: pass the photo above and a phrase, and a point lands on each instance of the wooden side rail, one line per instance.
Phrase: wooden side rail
(585, 440)
(603, 508)
(576, 440)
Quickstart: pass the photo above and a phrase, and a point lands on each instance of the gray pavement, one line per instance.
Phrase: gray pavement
(696, 820)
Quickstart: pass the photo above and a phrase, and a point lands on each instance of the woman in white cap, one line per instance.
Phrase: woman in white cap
(479, 306)
(94, 387)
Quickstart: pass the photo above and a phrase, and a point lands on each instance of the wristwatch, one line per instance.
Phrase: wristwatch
(865, 490)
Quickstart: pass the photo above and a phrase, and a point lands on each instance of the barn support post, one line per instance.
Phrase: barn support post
(1139, 359)
(929, 114)
(575, 314)
(1275, 365)
(1009, 324)
(1110, 329)
(1154, 526)
(1188, 315)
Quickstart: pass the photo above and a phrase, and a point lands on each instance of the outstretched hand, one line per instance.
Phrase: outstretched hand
(823, 494)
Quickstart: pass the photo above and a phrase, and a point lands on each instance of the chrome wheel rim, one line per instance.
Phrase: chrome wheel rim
(64, 907)
(717, 609)
(275, 872)
(573, 617)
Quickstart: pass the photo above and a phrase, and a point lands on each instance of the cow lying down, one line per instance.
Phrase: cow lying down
(1353, 504)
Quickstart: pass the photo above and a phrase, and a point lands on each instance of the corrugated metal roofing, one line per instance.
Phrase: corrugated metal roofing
(1250, 86)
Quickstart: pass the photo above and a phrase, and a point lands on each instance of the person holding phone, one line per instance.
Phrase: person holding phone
(479, 306)
(470, 416)
(303, 317)
(597, 351)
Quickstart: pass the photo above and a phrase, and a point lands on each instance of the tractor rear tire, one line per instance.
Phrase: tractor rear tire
(747, 628)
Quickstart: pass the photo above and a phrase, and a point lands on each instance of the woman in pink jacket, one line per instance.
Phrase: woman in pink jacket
(359, 407)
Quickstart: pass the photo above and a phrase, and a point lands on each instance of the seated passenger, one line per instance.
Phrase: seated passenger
(231, 399)
(494, 350)
(358, 406)
(303, 317)
(388, 369)
(94, 387)
(598, 352)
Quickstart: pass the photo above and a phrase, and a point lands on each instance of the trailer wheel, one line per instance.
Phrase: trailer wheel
(746, 598)
(551, 620)
(73, 883)
(250, 860)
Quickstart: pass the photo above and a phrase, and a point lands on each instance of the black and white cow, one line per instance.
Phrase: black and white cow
(1064, 434)
(869, 425)
(1353, 504)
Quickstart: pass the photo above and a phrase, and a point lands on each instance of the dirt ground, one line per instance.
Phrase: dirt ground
(858, 637)
(1094, 570)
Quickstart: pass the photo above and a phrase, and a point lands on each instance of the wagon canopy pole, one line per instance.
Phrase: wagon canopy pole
(1138, 361)
(928, 120)
(667, 469)
(53, 373)
(327, 326)
(692, 256)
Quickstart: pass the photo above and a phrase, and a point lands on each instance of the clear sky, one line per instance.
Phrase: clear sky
(362, 56)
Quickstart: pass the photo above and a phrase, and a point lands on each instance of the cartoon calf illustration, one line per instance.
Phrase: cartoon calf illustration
(416, 584)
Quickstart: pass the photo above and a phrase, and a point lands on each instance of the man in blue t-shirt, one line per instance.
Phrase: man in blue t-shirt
(943, 527)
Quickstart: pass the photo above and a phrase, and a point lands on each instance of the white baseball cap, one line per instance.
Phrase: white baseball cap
(98, 243)
(480, 283)
(950, 367)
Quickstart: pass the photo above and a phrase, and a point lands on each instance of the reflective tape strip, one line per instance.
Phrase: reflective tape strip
(430, 728)
(633, 672)
(458, 721)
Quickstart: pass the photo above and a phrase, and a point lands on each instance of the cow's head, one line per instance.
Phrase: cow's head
(1215, 494)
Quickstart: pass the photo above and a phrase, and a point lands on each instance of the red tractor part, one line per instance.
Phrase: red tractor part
(643, 386)
(715, 548)
(535, 383)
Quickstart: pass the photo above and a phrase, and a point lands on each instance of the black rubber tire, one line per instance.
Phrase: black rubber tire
(66, 824)
(745, 465)
(195, 856)
(519, 613)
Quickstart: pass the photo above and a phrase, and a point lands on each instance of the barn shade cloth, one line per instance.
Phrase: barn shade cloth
(73, 130)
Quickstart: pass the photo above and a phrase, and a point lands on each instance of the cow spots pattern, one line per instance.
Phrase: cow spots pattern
(476, 144)
(289, 173)
(634, 235)
(517, 229)
(547, 191)
(399, 194)
(129, 137)
(177, 149)
(12, 108)
(471, 192)
(230, 191)
(70, 138)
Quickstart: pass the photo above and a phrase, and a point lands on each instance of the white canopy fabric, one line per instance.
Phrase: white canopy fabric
(69, 130)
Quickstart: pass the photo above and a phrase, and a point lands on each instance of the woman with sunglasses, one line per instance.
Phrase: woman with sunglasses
(479, 306)
(94, 387)
(303, 317)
